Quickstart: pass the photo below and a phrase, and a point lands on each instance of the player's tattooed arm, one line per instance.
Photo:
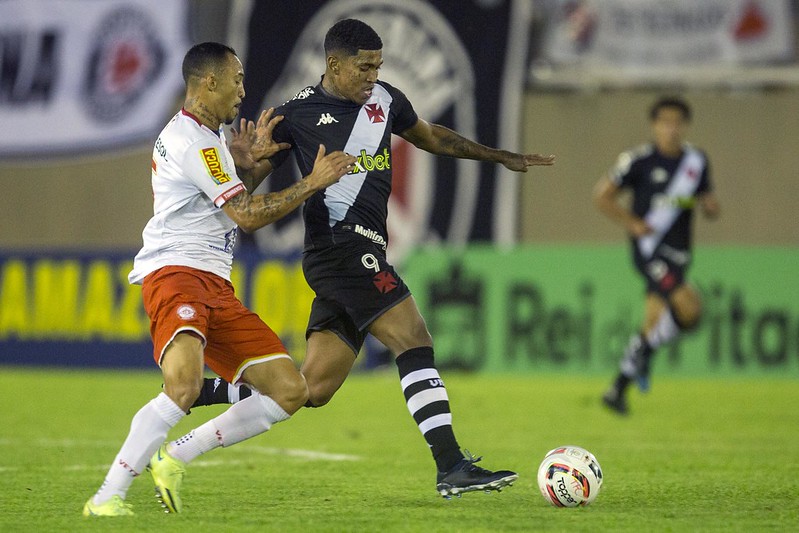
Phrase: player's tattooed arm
(251, 212)
(440, 140)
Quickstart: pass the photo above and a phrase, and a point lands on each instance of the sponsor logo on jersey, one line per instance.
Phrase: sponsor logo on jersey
(326, 118)
(371, 234)
(214, 165)
(303, 94)
(367, 163)
(375, 113)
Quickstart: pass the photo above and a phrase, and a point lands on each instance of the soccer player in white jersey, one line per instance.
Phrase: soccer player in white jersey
(184, 267)
(667, 177)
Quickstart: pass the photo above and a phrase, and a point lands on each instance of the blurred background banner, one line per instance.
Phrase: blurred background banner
(673, 33)
(72, 308)
(466, 75)
(653, 40)
(573, 308)
(81, 75)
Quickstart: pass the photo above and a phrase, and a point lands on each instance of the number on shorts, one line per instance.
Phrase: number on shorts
(370, 262)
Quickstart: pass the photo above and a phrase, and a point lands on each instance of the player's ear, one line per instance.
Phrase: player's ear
(333, 64)
(210, 82)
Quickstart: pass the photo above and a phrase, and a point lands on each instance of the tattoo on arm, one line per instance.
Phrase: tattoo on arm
(451, 143)
(253, 212)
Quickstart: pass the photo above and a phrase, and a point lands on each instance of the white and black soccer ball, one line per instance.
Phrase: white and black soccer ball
(569, 476)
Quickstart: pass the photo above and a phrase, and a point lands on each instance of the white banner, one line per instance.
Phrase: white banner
(652, 34)
(86, 75)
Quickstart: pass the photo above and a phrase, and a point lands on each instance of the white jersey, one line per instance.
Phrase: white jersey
(193, 175)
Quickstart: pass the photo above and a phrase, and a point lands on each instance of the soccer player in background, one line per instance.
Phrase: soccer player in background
(668, 177)
(184, 269)
(344, 259)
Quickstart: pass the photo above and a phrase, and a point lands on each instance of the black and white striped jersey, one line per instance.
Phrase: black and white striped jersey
(358, 203)
(664, 192)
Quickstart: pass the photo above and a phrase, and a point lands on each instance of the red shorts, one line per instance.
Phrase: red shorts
(180, 299)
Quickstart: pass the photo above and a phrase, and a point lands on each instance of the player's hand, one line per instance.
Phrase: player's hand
(520, 162)
(639, 228)
(264, 146)
(328, 169)
(253, 142)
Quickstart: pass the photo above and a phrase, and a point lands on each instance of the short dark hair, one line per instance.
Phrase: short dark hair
(204, 57)
(351, 35)
(670, 101)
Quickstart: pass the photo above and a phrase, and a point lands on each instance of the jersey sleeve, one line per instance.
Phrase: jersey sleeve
(621, 174)
(404, 114)
(210, 169)
(282, 134)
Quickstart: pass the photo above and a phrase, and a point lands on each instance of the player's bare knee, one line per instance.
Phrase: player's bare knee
(688, 315)
(183, 392)
(690, 319)
(291, 393)
(318, 395)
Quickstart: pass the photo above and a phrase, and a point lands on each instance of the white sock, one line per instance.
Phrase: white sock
(247, 418)
(665, 330)
(233, 393)
(148, 429)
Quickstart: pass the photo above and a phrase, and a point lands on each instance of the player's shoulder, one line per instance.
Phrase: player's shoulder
(633, 155)
(303, 96)
(184, 132)
(391, 89)
(640, 152)
(690, 147)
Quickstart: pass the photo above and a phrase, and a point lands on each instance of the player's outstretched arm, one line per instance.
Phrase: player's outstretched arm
(251, 212)
(441, 140)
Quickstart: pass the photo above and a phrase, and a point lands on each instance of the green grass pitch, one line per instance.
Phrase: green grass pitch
(695, 455)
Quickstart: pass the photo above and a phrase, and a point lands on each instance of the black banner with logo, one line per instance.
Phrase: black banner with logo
(461, 64)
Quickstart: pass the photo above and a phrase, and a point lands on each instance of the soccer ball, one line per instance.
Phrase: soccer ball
(569, 476)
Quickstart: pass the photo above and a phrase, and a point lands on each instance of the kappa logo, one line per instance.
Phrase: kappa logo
(326, 118)
(659, 175)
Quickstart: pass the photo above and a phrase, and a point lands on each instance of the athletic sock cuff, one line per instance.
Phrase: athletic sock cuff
(274, 412)
(167, 409)
(414, 359)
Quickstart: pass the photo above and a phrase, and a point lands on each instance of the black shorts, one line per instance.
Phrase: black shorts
(354, 285)
(665, 270)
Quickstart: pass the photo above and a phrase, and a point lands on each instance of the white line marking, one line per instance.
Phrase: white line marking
(297, 453)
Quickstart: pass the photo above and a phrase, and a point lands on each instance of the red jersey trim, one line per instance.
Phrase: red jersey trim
(228, 194)
(186, 113)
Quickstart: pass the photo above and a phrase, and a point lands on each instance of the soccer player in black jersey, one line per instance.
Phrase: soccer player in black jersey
(668, 177)
(344, 258)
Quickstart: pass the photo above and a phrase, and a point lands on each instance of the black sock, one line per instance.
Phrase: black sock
(621, 383)
(216, 390)
(428, 403)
